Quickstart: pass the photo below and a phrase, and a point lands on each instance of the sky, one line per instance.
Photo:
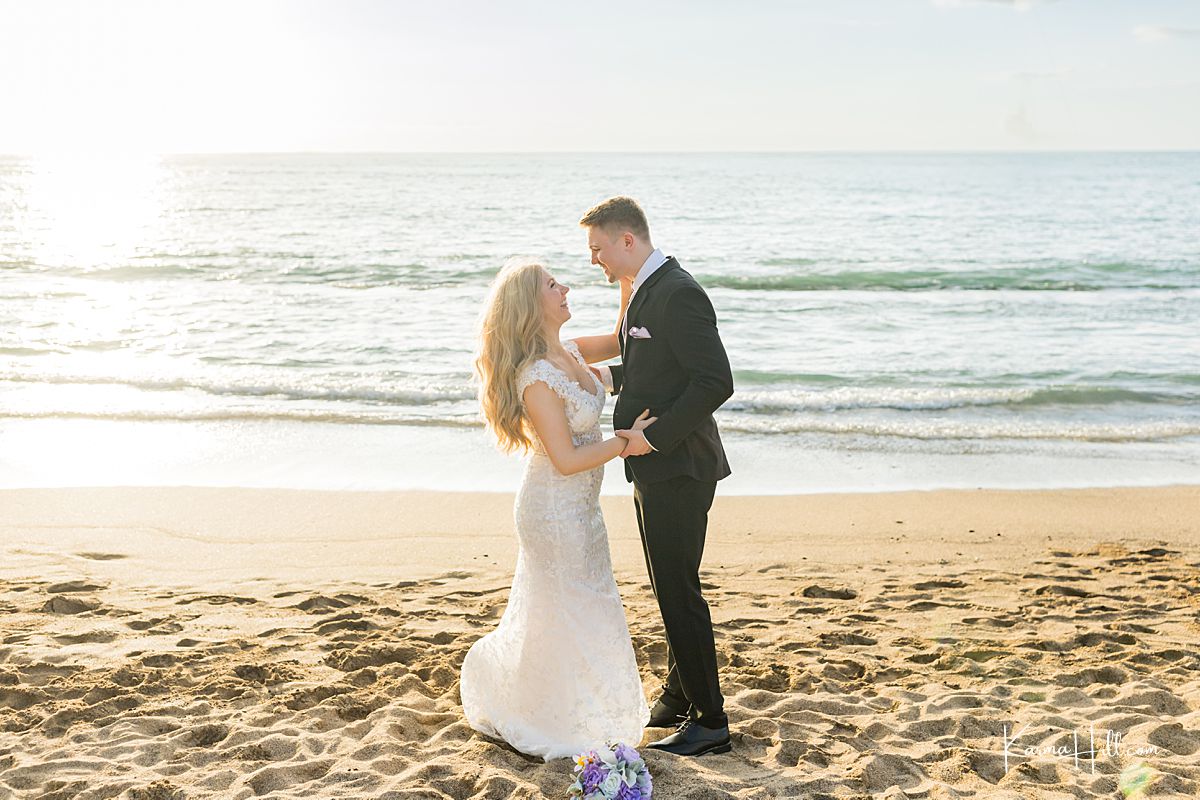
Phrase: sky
(179, 76)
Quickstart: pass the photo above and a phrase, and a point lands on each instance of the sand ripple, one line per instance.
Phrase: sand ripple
(873, 682)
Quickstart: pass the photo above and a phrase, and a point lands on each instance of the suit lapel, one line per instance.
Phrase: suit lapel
(636, 303)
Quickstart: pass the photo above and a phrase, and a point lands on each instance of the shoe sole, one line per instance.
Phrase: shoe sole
(724, 747)
(720, 748)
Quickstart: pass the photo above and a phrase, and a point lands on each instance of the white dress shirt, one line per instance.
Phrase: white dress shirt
(653, 261)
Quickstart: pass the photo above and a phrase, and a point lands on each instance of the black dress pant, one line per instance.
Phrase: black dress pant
(672, 518)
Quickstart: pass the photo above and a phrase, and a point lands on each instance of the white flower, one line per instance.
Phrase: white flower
(611, 785)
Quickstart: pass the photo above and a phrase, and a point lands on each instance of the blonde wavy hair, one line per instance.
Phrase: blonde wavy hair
(511, 335)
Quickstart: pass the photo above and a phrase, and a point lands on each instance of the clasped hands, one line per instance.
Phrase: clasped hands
(635, 439)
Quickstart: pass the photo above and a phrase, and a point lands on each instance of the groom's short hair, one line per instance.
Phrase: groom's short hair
(617, 215)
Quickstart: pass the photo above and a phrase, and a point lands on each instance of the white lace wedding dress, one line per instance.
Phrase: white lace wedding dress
(558, 674)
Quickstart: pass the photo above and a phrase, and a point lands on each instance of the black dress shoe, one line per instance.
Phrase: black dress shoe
(666, 716)
(693, 739)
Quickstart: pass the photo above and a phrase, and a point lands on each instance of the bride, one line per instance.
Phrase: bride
(558, 675)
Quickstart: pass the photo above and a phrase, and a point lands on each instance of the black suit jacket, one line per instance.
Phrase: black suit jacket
(681, 373)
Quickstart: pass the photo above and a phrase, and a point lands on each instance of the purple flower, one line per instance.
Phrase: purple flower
(629, 793)
(644, 783)
(614, 772)
(626, 753)
(593, 775)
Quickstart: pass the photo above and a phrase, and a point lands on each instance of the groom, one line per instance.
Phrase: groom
(673, 363)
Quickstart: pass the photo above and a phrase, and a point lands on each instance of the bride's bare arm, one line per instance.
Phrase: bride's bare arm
(549, 419)
(602, 348)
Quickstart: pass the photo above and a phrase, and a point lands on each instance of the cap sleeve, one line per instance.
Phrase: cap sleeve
(541, 370)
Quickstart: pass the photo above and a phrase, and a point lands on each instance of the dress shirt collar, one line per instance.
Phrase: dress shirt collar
(655, 260)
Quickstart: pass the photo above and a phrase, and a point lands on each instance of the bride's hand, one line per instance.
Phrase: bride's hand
(628, 436)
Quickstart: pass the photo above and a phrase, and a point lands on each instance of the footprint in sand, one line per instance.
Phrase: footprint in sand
(1041, 576)
(886, 770)
(846, 638)
(205, 735)
(457, 575)
(349, 621)
(1154, 701)
(807, 609)
(991, 622)
(217, 599)
(155, 625)
(1086, 677)
(253, 752)
(100, 556)
(70, 605)
(320, 604)
(372, 656)
(940, 583)
(301, 699)
(158, 790)
(158, 660)
(823, 592)
(470, 593)
(73, 586)
(742, 623)
(982, 655)
(1064, 591)
(1143, 556)
(1175, 738)
(925, 658)
(99, 637)
(929, 605)
(265, 674)
(844, 670)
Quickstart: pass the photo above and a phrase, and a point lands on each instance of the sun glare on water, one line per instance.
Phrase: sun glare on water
(89, 211)
(76, 217)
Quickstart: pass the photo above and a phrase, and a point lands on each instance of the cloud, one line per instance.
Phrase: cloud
(1018, 125)
(1160, 33)
(1051, 75)
(1018, 5)
(1027, 78)
(853, 22)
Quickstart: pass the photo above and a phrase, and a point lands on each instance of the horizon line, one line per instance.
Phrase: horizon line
(913, 151)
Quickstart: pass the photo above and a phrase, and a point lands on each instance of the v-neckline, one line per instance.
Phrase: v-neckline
(591, 392)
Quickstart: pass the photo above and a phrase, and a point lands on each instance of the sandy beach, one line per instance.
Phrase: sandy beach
(236, 643)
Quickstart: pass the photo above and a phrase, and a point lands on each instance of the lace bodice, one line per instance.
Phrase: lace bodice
(583, 407)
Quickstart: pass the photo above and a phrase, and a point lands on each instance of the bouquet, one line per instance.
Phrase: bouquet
(616, 772)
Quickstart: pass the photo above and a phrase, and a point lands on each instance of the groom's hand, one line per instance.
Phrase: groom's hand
(635, 440)
(635, 443)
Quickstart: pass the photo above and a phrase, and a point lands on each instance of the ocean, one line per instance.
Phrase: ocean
(893, 320)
